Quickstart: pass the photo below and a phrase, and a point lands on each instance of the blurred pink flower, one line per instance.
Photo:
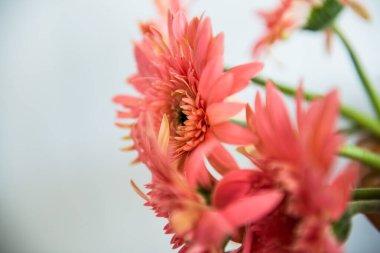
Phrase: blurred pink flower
(300, 161)
(241, 197)
(293, 15)
(163, 7)
(289, 16)
(181, 75)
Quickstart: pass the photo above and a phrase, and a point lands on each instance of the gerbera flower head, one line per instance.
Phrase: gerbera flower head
(180, 74)
(281, 22)
(241, 197)
(300, 157)
(292, 15)
(162, 6)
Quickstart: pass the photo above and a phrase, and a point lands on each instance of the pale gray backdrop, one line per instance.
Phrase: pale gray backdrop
(64, 186)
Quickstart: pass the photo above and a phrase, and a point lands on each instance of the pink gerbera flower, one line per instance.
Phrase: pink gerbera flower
(180, 74)
(292, 15)
(300, 159)
(162, 6)
(289, 16)
(197, 224)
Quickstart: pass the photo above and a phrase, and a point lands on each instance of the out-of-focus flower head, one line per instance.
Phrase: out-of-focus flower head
(200, 224)
(293, 15)
(180, 74)
(300, 159)
(163, 6)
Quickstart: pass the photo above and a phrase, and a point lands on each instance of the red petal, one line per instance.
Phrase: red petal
(233, 186)
(253, 208)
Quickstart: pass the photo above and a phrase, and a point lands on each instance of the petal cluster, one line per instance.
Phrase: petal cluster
(292, 15)
(179, 125)
(199, 224)
(299, 157)
(180, 74)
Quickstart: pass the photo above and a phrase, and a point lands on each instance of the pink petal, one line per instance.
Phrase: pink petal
(233, 186)
(243, 74)
(179, 25)
(216, 48)
(194, 167)
(203, 38)
(140, 84)
(222, 160)
(233, 134)
(320, 129)
(221, 112)
(340, 190)
(213, 229)
(127, 101)
(223, 87)
(210, 74)
(276, 109)
(253, 208)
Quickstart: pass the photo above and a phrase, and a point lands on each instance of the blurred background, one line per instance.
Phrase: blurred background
(64, 184)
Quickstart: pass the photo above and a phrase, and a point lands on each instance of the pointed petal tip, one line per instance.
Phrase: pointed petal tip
(164, 134)
(138, 191)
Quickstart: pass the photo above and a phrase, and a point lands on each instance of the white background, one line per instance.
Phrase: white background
(64, 185)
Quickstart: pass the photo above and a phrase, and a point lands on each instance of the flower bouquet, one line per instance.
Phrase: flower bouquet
(291, 198)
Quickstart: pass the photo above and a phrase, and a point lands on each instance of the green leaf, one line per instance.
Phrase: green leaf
(342, 227)
(323, 16)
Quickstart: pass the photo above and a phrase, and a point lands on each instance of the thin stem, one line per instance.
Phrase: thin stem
(360, 71)
(361, 119)
(238, 122)
(366, 194)
(364, 206)
(286, 89)
(360, 154)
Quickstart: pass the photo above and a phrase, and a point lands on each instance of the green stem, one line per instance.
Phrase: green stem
(366, 194)
(342, 227)
(238, 122)
(286, 89)
(364, 206)
(360, 71)
(361, 119)
(360, 154)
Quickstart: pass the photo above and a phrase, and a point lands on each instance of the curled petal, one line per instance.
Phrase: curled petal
(234, 186)
(194, 167)
(252, 208)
